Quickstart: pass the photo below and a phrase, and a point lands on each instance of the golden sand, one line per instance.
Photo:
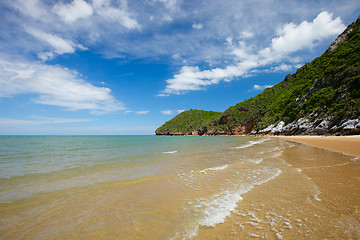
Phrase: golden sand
(349, 145)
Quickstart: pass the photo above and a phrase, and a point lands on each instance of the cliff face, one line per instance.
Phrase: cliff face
(322, 97)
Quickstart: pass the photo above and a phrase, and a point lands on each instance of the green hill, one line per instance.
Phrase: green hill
(322, 97)
(187, 122)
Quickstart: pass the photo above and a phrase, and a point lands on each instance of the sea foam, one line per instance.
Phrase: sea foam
(170, 152)
(217, 208)
(252, 143)
(256, 160)
(218, 168)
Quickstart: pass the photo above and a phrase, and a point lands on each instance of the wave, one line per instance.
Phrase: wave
(215, 209)
(170, 152)
(317, 193)
(218, 168)
(252, 143)
(256, 160)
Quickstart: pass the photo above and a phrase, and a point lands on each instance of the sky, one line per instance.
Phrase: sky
(124, 67)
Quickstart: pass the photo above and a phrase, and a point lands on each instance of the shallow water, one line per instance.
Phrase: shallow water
(162, 187)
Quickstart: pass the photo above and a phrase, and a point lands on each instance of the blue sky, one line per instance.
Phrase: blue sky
(126, 67)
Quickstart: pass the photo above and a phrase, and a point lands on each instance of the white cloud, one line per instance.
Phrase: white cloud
(34, 8)
(167, 112)
(58, 44)
(118, 28)
(55, 86)
(197, 26)
(292, 38)
(46, 55)
(137, 112)
(170, 112)
(112, 14)
(258, 87)
(295, 37)
(246, 34)
(170, 4)
(73, 11)
(39, 121)
(282, 68)
(142, 112)
(99, 24)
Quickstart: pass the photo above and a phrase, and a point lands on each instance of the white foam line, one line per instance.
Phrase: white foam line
(170, 152)
(277, 154)
(252, 143)
(218, 168)
(256, 160)
(317, 193)
(218, 207)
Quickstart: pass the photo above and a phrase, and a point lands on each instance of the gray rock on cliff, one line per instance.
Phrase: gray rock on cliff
(304, 126)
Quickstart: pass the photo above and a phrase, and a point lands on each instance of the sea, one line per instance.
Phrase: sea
(175, 187)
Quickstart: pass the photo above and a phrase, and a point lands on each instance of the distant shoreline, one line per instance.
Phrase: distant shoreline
(349, 145)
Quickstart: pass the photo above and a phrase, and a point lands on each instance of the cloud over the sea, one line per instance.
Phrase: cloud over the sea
(56, 86)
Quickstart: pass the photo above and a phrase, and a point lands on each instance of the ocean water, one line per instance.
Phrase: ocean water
(183, 187)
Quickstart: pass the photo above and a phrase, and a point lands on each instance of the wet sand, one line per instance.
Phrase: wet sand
(315, 197)
(349, 145)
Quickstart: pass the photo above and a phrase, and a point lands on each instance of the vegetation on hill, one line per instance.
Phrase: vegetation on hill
(329, 86)
(188, 122)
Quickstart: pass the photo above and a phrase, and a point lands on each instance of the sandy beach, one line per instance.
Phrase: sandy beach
(349, 145)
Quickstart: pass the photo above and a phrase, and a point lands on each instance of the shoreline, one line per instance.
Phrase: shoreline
(348, 145)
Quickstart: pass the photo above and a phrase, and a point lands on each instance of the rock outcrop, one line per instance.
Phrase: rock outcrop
(245, 128)
(327, 126)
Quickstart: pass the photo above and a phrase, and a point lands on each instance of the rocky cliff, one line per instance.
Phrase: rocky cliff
(322, 97)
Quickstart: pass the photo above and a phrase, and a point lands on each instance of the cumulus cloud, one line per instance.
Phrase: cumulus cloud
(170, 112)
(295, 37)
(291, 38)
(73, 11)
(55, 85)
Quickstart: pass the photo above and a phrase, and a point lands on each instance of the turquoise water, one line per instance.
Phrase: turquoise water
(34, 164)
